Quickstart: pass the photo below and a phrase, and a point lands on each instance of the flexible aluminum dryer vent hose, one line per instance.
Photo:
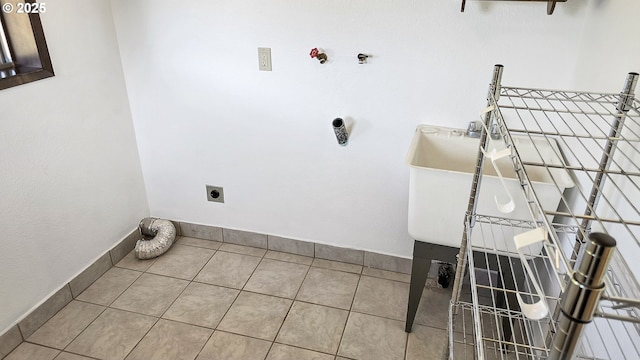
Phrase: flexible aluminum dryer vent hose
(163, 235)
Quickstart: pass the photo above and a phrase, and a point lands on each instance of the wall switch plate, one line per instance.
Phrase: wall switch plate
(264, 59)
(215, 193)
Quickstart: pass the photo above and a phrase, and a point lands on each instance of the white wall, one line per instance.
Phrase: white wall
(71, 183)
(204, 114)
(609, 48)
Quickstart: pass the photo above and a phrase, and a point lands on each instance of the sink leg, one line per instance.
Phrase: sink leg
(419, 271)
(423, 253)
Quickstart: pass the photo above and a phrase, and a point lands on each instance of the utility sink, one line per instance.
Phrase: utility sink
(442, 163)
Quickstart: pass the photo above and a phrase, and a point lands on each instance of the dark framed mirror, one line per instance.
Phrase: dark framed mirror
(24, 56)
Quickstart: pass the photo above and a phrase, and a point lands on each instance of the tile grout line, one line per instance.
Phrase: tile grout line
(75, 337)
(349, 315)
(383, 317)
(306, 349)
(21, 337)
(160, 316)
(234, 301)
(215, 328)
(406, 345)
(64, 349)
(185, 288)
(143, 336)
(267, 250)
(123, 291)
(33, 343)
(89, 324)
(290, 307)
(213, 331)
(267, 236)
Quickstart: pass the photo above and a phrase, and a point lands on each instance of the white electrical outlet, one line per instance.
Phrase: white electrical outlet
(264, 59)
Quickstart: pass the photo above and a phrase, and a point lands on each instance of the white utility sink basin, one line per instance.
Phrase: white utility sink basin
(442, 163)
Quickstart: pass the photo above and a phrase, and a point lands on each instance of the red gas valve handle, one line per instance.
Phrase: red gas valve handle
(314, 53)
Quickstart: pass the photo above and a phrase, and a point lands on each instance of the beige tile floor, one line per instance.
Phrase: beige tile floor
(206, 300)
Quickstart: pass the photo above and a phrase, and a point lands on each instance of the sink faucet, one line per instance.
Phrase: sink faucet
(495, 131)
(474, 130)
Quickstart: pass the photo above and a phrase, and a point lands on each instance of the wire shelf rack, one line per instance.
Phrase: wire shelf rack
(595, 138)
(464, 345)
(498, 275)
(605, 165)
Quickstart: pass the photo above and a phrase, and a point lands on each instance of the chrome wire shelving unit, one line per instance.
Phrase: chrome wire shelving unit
(585, 281)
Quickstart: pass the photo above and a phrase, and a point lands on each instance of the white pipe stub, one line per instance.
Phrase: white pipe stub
(157, 237)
